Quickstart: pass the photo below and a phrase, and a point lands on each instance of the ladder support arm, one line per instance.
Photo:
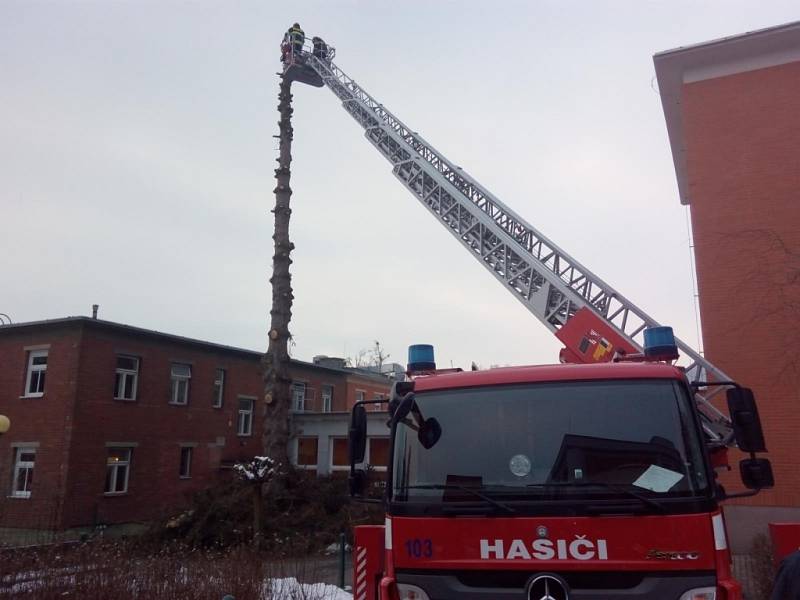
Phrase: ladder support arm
(550, 283)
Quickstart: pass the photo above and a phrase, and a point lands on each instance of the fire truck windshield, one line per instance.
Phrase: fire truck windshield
(567, 442)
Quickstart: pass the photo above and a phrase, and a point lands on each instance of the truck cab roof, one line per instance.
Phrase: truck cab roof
(548, 373)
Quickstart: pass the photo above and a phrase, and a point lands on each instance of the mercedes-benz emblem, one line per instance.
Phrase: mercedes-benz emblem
(547, 587)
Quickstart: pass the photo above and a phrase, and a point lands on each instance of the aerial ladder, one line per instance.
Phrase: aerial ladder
(594, 321)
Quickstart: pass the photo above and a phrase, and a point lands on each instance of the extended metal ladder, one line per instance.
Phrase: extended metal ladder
(549, 282)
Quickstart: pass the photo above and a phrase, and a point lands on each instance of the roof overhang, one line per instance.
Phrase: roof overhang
(121, 328)
(726, 56)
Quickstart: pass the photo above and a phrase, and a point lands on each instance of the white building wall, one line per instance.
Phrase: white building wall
(325, 427)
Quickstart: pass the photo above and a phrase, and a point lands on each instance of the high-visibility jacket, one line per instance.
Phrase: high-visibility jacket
(297, 35)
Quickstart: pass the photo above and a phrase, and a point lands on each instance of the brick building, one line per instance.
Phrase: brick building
(732, 108)
(112, 423)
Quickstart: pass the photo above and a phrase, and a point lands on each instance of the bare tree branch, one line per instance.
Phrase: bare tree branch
(378, 356)
(776, 272)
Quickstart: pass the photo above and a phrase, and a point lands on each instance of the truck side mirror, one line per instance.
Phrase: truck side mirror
(429, 433)
(405, 406)
(400, 390)
(357, 435)
(756, 473)
(746, 422)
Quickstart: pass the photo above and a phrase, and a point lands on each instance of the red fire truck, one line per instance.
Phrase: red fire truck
(588, 480)
(550, 483)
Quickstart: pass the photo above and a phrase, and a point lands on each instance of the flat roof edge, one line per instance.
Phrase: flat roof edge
(721, 57)
(739, 37)
(132, 329)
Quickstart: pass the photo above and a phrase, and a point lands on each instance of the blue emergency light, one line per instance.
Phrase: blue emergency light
(659, 343)
(420, 358)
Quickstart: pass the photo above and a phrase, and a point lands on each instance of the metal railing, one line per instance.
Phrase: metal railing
(292, 56)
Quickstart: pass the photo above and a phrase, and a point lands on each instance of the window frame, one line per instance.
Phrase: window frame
(219, 388)
(361, 395)
(302, 405)
(315, 466)
(39, 369)
(121, 375)
(187, 472)
(19, 465)
(368, 456)
(175, 383)
(327, 400)
(249, 414)
(331, 465)
(126, 463)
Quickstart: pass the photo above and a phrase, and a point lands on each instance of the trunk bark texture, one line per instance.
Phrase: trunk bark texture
(258, 512)
(277, 379)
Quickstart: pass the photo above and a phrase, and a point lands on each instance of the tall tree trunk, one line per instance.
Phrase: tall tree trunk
(258, 512)
(277, 379)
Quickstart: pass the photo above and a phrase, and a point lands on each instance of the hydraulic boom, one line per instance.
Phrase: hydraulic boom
(550, 283)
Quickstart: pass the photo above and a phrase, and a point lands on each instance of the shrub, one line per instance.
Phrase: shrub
(302, 514)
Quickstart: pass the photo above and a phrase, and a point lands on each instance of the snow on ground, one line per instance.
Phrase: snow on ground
(290, 589)
(287, 588)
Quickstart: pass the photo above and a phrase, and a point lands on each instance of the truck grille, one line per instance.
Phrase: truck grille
(577, 580)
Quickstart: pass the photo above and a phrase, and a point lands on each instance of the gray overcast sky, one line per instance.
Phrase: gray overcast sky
(136, 164)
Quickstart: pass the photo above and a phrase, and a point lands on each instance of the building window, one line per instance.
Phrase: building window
(360, 395)
(186, 462)
(24, 460)
(378, 453)
(181, 374)
(219, 388)
(377, 407)
(245, 423)
(307, 452)
(299, 396)
(340, 456)
(37, 369)
(127, 378)
(118, 466)
(327, 398)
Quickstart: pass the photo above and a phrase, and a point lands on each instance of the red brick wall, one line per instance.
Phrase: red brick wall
(78, 417)
(743, 158)
(157, 427)
(370, 388)
(47, 420)
(345, 386)
(314, 380)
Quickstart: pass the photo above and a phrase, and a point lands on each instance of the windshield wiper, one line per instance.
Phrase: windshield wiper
(462, 488)
(609, 486)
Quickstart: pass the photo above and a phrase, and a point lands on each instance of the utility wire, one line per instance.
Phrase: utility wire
(695, 292)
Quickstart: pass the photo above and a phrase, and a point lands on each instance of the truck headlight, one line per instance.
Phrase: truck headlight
(706, 593)
(411, 592)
